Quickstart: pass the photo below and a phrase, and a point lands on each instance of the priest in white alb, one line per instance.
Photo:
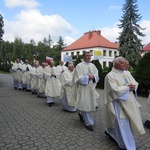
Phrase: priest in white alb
(26, 68)
(34, 73)
(67, 97)
(123, 118)
(53, 85)
(85, 79)
(17, 74)
(41, 81)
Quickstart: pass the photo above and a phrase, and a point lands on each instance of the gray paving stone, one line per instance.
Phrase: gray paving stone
(27, 123)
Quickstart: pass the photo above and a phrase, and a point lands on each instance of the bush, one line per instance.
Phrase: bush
(142, 75)
(100, 84)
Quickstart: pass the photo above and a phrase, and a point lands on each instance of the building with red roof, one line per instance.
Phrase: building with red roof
(146, 49)
(94, 42)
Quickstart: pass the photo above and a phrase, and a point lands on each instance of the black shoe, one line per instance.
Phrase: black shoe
(81, 117)
(69, 111)
(147, 124)
(15, 88)
(28, 90)
(33, 92)
(96, 108)
(50, 104)
(24, 89)
(90, 128)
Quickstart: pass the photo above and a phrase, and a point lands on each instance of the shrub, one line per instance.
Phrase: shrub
(142, 74)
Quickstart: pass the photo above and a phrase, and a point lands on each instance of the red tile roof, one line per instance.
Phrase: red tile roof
(91, 39)
(146, 48)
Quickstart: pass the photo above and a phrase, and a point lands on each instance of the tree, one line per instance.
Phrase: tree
(1, 39)
(142, 74)
(57, 50)
(60, 43)
(1, 27)
(129, 43)
(78, 60)
(50, 42)
(18, 48)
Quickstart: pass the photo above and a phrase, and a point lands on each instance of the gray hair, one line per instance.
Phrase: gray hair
(117, 60)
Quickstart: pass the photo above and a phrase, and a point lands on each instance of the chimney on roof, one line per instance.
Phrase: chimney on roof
(89, 34)
(98, 32)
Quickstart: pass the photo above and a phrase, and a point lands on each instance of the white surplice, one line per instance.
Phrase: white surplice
(84, 90)
(123, 118)
(67, 97)
(53, 85)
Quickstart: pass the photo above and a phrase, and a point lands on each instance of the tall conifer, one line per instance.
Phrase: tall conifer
(129, 42)
(1, 27)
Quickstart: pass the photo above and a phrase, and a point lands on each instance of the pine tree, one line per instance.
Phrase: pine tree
(1, 27)
(129, 42)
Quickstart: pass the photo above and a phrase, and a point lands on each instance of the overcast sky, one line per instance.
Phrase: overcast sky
(36, 19)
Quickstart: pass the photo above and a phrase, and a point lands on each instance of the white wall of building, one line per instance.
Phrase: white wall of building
(107, 57)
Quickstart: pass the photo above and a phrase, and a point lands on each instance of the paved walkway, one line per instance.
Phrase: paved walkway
(27, 123)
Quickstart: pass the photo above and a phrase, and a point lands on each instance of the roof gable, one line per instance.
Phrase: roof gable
(91, 39)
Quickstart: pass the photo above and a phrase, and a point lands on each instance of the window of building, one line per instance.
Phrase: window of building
(115, 53)
(78, 53)
(104, 52)
(72, 53)
(110, 64)
(104, 64)
(110, 53)
(66, 53)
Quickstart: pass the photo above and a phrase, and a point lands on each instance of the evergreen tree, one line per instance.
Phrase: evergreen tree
(50, 42)
(57, 50)
(60, 43)
(1, 27)
(129, 43)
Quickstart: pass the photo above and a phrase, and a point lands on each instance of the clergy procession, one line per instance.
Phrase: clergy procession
(75, 87)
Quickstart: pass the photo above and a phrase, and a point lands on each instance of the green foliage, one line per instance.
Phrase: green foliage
(78, 60)
(18, 49)
(100, 71)
(67, 63)
(56, 50)
(98, 65)
(142, 74)
(1, 27)
(129, 43)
